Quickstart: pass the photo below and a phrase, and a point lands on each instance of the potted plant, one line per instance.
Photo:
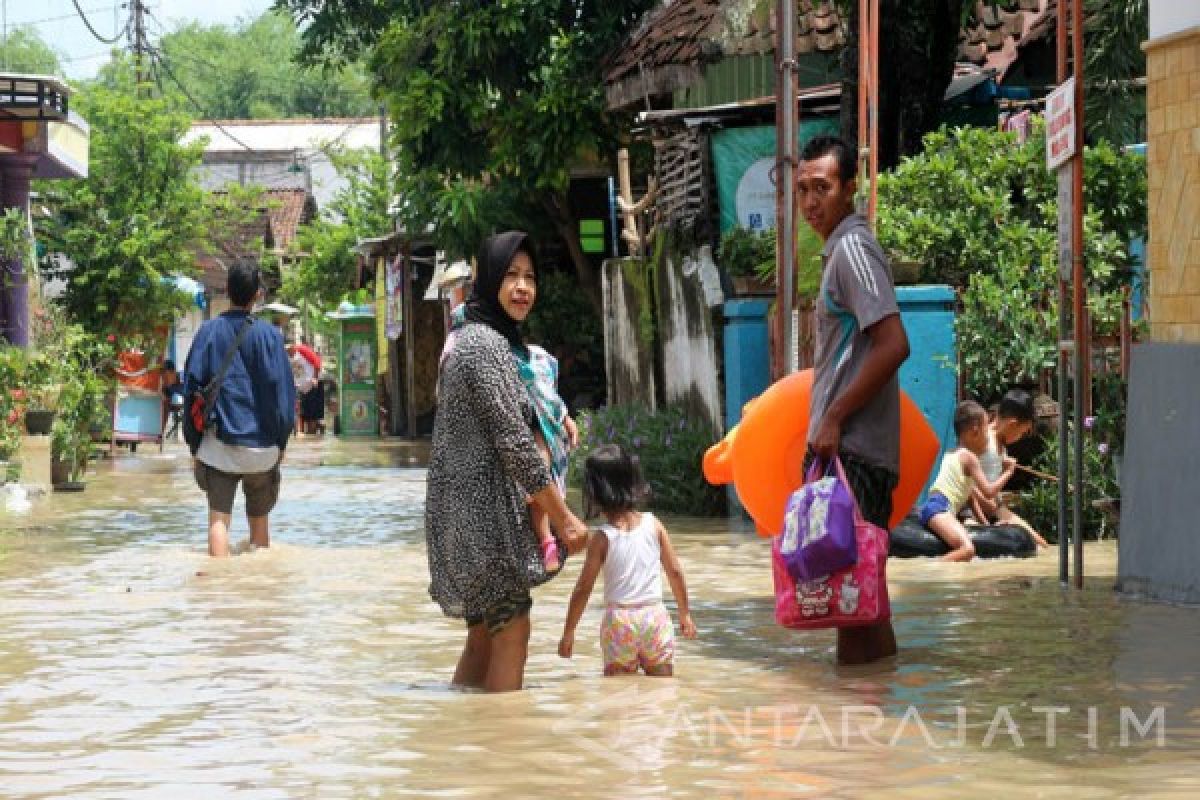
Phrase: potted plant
(43, 371)
(745, 254)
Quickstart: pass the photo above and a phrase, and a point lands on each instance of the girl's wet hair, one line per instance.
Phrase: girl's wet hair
(612, 481)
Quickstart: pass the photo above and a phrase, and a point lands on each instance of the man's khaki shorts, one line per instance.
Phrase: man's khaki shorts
(260, 488)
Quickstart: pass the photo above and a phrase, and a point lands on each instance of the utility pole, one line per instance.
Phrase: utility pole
(140, 46)
(786, 122)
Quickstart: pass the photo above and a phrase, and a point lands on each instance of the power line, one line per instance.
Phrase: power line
(87, 22)
(159, 57)
(60, 18)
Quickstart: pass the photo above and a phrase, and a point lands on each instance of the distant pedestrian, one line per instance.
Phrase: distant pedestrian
(254, 412)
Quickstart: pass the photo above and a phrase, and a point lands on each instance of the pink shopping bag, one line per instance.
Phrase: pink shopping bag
(856, 595)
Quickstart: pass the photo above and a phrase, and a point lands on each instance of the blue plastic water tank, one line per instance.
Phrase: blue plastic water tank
(746, 353)
(929, 376)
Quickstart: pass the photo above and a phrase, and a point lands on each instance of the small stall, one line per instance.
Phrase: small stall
(137, 414)
(358, 406)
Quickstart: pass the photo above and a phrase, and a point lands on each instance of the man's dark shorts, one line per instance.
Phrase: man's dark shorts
(261, 489)
(507, 610)
(872, 487)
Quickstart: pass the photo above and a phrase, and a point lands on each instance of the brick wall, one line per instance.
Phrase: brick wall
(1173, 106)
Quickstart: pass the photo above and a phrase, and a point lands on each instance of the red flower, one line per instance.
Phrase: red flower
(13, 417)
(111, 338)
(17, 394)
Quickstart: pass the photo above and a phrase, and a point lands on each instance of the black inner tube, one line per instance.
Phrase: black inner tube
(910, 539)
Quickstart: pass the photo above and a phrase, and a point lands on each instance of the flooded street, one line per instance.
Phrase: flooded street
(132, 666)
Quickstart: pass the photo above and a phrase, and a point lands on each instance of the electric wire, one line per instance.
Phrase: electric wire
(157, 55)
(83, 16)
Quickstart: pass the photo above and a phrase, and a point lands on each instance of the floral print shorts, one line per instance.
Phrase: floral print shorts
(631, 637)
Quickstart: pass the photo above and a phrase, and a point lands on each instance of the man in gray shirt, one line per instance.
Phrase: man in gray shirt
(860, 345)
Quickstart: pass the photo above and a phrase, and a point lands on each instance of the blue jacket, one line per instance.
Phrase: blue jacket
(256, 406)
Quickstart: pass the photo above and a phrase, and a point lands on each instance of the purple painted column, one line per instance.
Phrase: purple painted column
(15, 173)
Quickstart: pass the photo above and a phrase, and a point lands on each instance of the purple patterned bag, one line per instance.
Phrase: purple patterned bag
(818, 527)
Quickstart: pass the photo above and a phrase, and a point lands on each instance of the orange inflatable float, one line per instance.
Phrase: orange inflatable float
(763, 456)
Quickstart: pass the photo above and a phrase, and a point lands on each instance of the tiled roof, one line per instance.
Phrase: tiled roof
(674, 41)
(288, 209)
(244, 241)
(996, 34)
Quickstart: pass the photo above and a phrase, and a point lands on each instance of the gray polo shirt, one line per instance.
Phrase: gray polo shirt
(856, 292)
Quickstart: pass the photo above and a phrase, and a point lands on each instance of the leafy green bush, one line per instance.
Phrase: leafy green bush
(979, 212)
(1039, 506)
(670, 448)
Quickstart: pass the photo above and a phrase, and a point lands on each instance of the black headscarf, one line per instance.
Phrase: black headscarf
(483, 306)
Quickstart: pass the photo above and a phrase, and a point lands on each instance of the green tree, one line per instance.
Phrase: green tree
(1116, 104)
(249, 71)
(24, 50)
(492, 104)
(135, 220)
(325, 270)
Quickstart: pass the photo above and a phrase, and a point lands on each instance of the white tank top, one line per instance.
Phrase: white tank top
(633, 566)
(992, 461)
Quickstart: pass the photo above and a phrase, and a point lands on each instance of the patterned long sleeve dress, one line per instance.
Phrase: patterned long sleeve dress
(483, 465)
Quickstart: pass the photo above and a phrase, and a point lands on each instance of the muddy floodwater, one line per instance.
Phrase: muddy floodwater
(132, 666)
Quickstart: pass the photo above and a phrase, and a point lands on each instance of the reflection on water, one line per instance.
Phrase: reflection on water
(319, 668)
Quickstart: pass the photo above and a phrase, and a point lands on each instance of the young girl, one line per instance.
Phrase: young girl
(960, 473)
(554, 432)
(633, 549)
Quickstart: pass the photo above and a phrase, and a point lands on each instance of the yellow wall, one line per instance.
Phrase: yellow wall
(1173, 107)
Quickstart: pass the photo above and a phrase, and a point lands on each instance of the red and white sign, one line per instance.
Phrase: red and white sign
(1060, 125)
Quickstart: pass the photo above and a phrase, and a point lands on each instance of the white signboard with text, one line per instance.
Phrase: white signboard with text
(1060, 125)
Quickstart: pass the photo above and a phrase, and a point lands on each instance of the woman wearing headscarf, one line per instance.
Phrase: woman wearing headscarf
(483, 556)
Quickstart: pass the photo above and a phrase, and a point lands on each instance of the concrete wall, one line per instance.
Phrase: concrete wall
(628, 361)
(1172, 16)
(688, 342)
(1173, 110)
(1160, 474)
(1159, 550)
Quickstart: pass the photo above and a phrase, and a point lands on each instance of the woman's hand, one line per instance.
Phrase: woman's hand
(574, 534)
(566, 645)
(686, 626)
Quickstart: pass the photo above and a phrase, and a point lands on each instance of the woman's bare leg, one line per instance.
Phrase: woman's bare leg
(472, 668)
(510, 648)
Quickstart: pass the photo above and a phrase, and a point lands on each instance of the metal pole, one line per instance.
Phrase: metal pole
(864, 43)
(785, 180)
(1080, 286)
(1063, 475)
(873, 55)
(410, 344)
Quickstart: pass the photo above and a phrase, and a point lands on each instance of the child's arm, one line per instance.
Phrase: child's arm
(974, 471)
(572, 431)
(670, 563)
(597, 550)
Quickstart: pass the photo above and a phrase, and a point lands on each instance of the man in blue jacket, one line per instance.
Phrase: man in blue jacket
(254, 412)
